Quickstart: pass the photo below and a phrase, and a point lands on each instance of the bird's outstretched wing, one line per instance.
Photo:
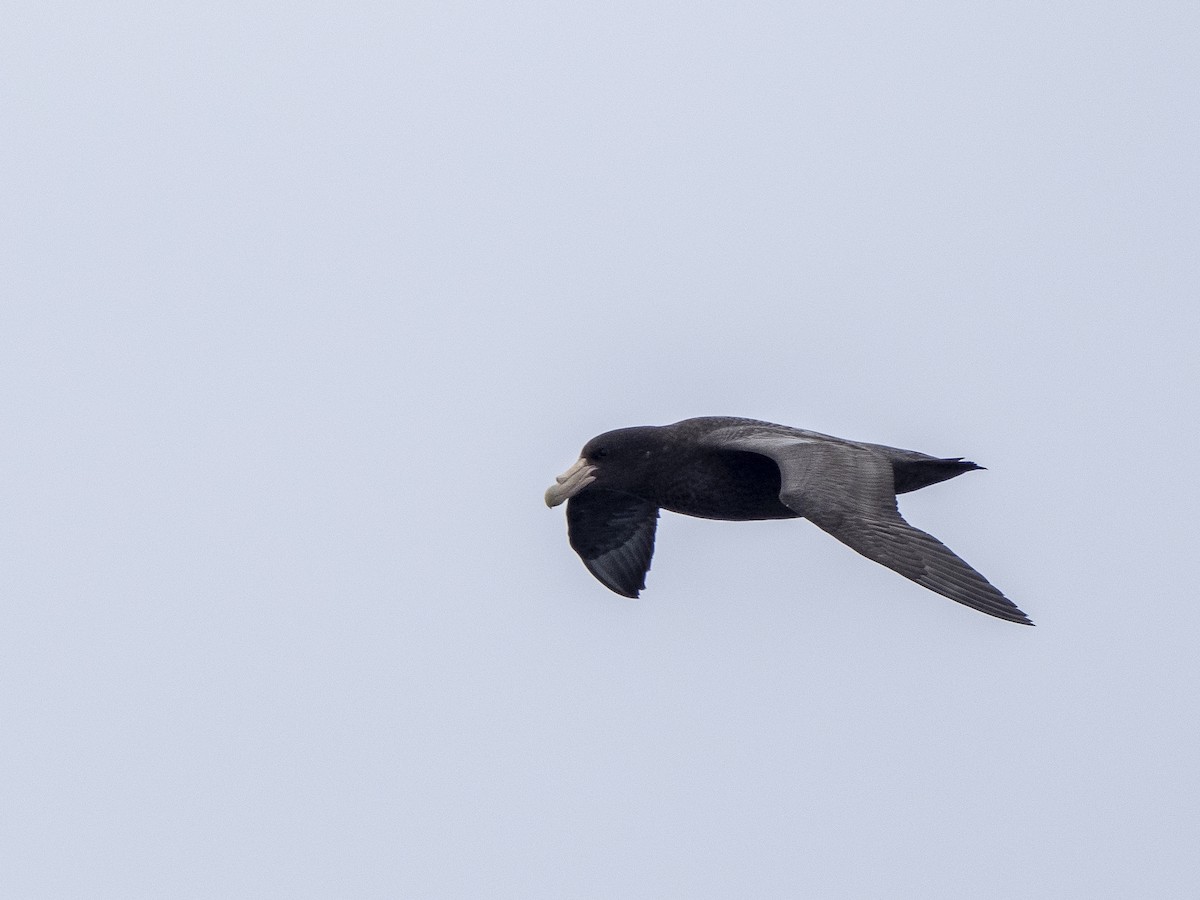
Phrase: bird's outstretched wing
(847, 490)
(613, 533)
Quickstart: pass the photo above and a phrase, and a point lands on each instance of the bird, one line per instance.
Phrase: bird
(736, 469)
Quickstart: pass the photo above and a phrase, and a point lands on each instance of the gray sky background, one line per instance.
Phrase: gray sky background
(306, 304)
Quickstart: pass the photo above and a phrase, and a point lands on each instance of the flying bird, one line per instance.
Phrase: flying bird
(719, 467)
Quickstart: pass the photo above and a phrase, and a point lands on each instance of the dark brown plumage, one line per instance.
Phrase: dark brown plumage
(742, 469)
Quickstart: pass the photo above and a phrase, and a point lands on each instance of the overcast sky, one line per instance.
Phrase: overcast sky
(304, 306)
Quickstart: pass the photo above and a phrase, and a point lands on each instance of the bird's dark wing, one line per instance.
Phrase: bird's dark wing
(847, 490)
(613, 533)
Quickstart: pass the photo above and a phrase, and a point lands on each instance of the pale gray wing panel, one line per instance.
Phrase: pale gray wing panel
(847, 490)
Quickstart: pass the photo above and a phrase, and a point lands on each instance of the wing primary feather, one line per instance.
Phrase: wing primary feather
(613, 533)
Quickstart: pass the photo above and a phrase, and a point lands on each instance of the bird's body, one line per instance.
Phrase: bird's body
(713, 484)
(743, 469)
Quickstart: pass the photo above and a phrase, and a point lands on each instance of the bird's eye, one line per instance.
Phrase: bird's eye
(600, 453)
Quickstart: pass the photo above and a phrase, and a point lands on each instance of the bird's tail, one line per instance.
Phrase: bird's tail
(912, 474)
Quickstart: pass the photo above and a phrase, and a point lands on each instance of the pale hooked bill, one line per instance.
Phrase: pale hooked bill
(570, 483)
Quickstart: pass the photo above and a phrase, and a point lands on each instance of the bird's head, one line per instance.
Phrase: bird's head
(618, 460)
